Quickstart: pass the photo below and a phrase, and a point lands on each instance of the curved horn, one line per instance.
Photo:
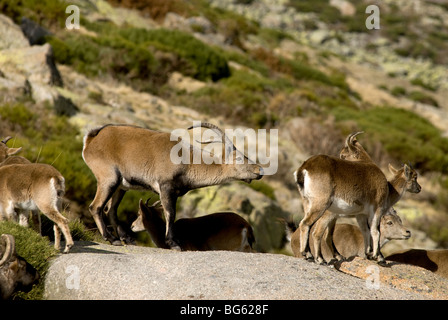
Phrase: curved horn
(227, 142)
(6, 139)
(10, 247)
(351, 139)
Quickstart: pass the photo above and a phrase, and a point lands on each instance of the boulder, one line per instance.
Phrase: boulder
(396, 275)
(98, 271)
(10, 34)
(34, 65)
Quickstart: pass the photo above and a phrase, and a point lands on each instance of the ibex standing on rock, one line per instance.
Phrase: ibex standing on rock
(352, 188)
(349, 240)
(126, 157)
(30, 186)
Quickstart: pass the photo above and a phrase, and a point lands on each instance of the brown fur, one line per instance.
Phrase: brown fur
(6, 152)
(35, 186)
(216, 231)
(360, 187)
(348, 239)
(14, 270)
(127, 157)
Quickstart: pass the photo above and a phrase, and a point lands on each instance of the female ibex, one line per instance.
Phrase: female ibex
(26, 186)
(216, 231)
(35, 186)
(126, 157)
(353, 188)
(349, 240)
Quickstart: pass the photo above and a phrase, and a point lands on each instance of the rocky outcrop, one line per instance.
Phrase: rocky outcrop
(396, 275)
(97, 271)
(24, 69)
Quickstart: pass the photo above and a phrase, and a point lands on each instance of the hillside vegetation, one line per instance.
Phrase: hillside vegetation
(259, 64)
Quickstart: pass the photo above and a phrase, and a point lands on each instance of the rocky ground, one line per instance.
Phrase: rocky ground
(99, 271)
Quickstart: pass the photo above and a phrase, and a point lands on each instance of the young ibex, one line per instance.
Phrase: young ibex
(126, 157)
(354, 151)
(349, 240)
(216, 231)
(353, 188)
(5, 151)
(34, 187)
(432, 260)
(9, 157)
(15, 272)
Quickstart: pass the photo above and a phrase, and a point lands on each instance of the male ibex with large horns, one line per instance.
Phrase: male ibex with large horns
(124, 157)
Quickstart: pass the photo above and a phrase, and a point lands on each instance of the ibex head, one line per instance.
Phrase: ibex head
(408, 175)
(15, 272)
(5, 151)
(353, 150)
(240, 165)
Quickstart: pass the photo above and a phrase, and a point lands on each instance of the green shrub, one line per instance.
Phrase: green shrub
(104, 55)
(45, 12)
(404, 135)
(398, 91)
(421, 83)
(423, 98)
(207, 63)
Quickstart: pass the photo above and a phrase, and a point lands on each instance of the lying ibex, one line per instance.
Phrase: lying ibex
(126, 157)
(348, 238)
(350, 188)
(432, 260)
(216, 231)
(15, 272)
(34, 187)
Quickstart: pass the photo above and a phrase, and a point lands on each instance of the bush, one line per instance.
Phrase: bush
(423, 98)
(405, 136)
(45, 12)
(207, 63)
(104, 55)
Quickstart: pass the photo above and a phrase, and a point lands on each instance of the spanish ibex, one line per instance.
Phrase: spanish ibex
(352, 188)
(124, 157)
(349, 240)
(15, 272)
(5, 151)
(9, 157)
(34, 187)
(216, 231)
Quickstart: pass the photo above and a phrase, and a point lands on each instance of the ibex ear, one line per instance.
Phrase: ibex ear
(13, 151)
(392, 169)
(407, 171)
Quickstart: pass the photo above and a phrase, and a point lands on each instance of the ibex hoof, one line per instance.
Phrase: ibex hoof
(173, 245)
(115, 242)
(320, 260)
